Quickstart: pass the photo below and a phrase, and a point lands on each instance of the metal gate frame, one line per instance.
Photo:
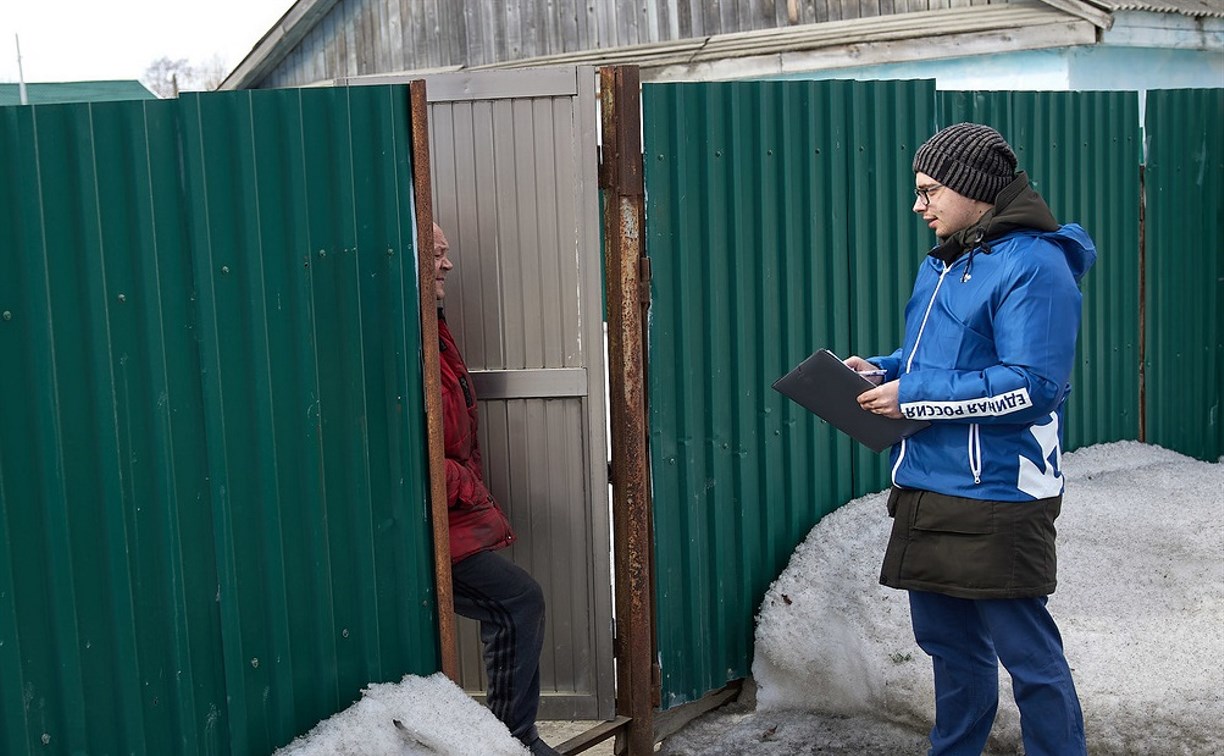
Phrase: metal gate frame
(496, 387)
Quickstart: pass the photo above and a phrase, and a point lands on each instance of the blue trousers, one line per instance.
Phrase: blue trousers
(509, 605)
(966, 639)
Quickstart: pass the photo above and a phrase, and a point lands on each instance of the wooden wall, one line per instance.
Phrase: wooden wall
(360, 37)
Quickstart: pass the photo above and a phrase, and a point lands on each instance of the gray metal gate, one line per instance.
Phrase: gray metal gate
(514, 160)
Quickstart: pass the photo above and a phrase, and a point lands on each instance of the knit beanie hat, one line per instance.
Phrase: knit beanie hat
(972, 160)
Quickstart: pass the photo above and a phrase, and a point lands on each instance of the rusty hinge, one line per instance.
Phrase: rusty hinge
(644, 280)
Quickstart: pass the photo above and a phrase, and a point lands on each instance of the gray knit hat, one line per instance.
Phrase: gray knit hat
(972, 160)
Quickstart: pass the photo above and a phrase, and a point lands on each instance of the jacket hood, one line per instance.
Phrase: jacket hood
(1018, 207)
(1077, 247)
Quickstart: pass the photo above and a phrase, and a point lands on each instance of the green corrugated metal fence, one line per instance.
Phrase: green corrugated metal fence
(1184, 290)
(1082, 151)
(764, 226)
(778, 221)
(212, 466)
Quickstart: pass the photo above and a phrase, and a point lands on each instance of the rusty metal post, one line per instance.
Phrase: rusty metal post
(423, 191)
(624, 216)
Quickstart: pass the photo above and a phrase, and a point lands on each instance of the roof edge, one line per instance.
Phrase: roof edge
(1085, 10)
(277, 43)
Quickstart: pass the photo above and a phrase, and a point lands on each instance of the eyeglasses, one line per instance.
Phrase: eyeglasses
(924, 193)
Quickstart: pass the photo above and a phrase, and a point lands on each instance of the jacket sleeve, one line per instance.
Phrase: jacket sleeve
(890, 363)
(463, 489)
(1035, 328)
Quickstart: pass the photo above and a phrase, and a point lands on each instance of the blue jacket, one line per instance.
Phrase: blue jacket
(987, 358)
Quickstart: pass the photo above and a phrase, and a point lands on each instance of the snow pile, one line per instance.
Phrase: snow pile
(434, 716)
(1140, 604)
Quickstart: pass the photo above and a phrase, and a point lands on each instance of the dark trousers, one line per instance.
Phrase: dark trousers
(966, 639)
(509, 605)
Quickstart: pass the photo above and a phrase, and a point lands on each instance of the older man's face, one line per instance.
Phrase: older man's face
(442, 262)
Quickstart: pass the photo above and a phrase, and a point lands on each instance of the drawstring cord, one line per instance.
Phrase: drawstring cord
(977, 244)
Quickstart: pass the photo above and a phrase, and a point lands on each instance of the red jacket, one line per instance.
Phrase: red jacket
(477, 523)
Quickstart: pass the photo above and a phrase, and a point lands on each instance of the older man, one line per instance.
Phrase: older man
(989, 345)
(488, 588)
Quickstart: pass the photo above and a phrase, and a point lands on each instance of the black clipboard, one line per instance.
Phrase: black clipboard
(825, 386)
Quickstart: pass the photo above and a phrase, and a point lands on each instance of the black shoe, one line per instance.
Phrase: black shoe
(539, 748)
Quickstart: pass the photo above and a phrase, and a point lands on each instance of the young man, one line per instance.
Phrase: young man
(989, 345)
(506, 601)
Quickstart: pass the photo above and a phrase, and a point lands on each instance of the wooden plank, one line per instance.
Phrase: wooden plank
(670, 722)
(728, 17)
(433, 40)
(691, 21)
(568, 26)
(313, 57)
(650, 19)
(594, 736)
(747, 16)
(627, 24)
(367, 41)
(512, 26)
(453, 29)
(588, 25)
(414, 34)
(551, 12)
(385, 56)
(531, 26)
(337, 49)
(820, 11)
(350, 42)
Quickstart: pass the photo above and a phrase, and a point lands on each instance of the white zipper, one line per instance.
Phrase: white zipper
(914, 351)
(975, 452)
(925, 315)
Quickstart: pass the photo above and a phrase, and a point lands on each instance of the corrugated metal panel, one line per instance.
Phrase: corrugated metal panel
(74, 91)
(1196, 8)
(777, 222)
(1185, 271)
(212, 480)
(513, 160)
(1082, 152)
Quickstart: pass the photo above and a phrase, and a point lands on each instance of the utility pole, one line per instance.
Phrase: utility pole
(21, 87)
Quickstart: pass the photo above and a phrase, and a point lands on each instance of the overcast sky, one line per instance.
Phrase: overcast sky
(86, 40)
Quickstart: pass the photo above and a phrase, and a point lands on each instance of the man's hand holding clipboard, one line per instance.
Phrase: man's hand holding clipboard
(881, 400)
(836, 392)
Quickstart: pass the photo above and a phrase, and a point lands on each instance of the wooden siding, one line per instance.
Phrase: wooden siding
(361, 37)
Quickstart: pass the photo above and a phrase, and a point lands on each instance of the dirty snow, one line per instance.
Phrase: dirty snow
(1140, 602)
(435, 717)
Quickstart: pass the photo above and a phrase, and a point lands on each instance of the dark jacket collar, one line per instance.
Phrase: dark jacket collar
(1017, 206)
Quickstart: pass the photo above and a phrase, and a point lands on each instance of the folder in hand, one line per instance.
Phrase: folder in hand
(825, 386)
